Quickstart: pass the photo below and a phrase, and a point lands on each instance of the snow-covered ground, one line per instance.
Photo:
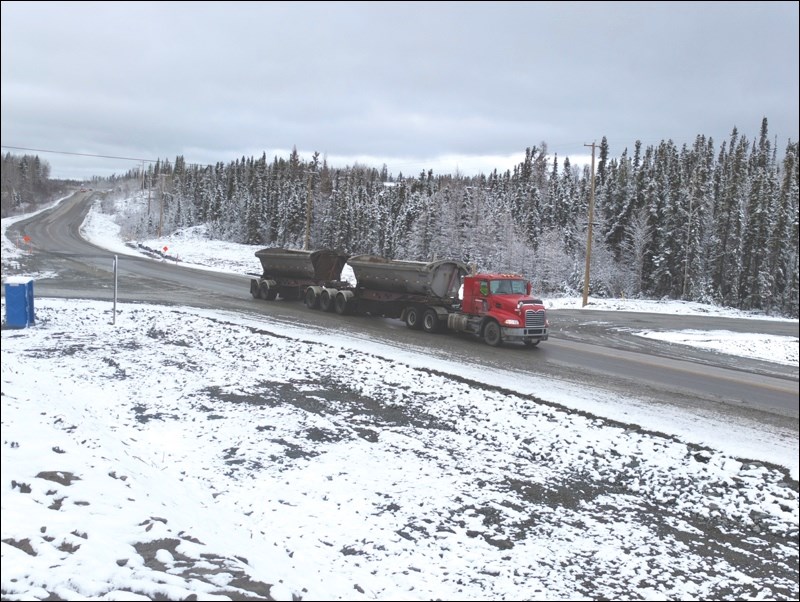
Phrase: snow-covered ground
(165, 455)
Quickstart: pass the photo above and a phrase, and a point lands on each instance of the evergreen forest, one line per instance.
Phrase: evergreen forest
(698, 223)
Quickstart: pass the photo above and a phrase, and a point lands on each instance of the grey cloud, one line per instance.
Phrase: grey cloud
(394, 79)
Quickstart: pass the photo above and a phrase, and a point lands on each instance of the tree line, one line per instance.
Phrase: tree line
(24, 184)
(695, 223)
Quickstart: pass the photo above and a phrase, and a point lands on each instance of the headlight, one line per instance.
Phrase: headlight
(511, 322)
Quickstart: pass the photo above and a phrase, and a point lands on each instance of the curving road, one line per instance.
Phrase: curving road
(591, 348)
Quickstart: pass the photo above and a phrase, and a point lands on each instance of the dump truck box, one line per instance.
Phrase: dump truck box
(440, 279)
(323, 265)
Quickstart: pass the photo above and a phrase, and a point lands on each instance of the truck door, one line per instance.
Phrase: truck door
(481, 298)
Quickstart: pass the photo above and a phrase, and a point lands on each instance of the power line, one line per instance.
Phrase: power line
(42, 150)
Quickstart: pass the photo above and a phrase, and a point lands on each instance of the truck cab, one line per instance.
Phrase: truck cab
(506, 309)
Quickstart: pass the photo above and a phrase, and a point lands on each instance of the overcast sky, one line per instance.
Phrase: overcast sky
(413, 85)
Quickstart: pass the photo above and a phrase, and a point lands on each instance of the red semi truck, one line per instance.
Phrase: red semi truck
(435, 296)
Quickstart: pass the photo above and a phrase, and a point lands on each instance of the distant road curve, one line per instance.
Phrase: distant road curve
(587, 347)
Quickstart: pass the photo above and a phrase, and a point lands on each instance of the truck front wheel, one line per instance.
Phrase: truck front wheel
(491, 334)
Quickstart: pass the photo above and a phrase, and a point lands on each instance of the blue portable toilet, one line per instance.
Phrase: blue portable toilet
(19, 302)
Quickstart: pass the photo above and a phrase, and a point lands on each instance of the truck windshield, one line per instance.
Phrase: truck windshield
(508, 287)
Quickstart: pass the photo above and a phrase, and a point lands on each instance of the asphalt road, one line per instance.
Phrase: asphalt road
(590, 348)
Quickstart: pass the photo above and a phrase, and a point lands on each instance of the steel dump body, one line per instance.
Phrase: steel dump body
(324, 265)
(437, 279)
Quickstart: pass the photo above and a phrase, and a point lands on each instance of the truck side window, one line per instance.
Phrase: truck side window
(484, 288)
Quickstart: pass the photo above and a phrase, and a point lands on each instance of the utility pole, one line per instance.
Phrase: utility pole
(688, 247)
(161, 177)
(310, 173)
(309, 209)
(589, 236)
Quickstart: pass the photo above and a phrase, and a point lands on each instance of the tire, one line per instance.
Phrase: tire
(254, 289)
(491, 334)
(264, 291)
(311, 299)
(326, 301)
(413, 319)
(430, 321)
(272, 294)
(340, 304)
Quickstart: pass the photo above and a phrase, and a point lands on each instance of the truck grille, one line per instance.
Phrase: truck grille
(534, 319)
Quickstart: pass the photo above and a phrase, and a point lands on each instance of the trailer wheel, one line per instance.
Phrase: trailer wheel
(430, 321)
(326, 301)
(272, 294)
(491, 334)
(264, 291)
(254, 289)
(340, 304)
(413, 319)
(311, 299)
